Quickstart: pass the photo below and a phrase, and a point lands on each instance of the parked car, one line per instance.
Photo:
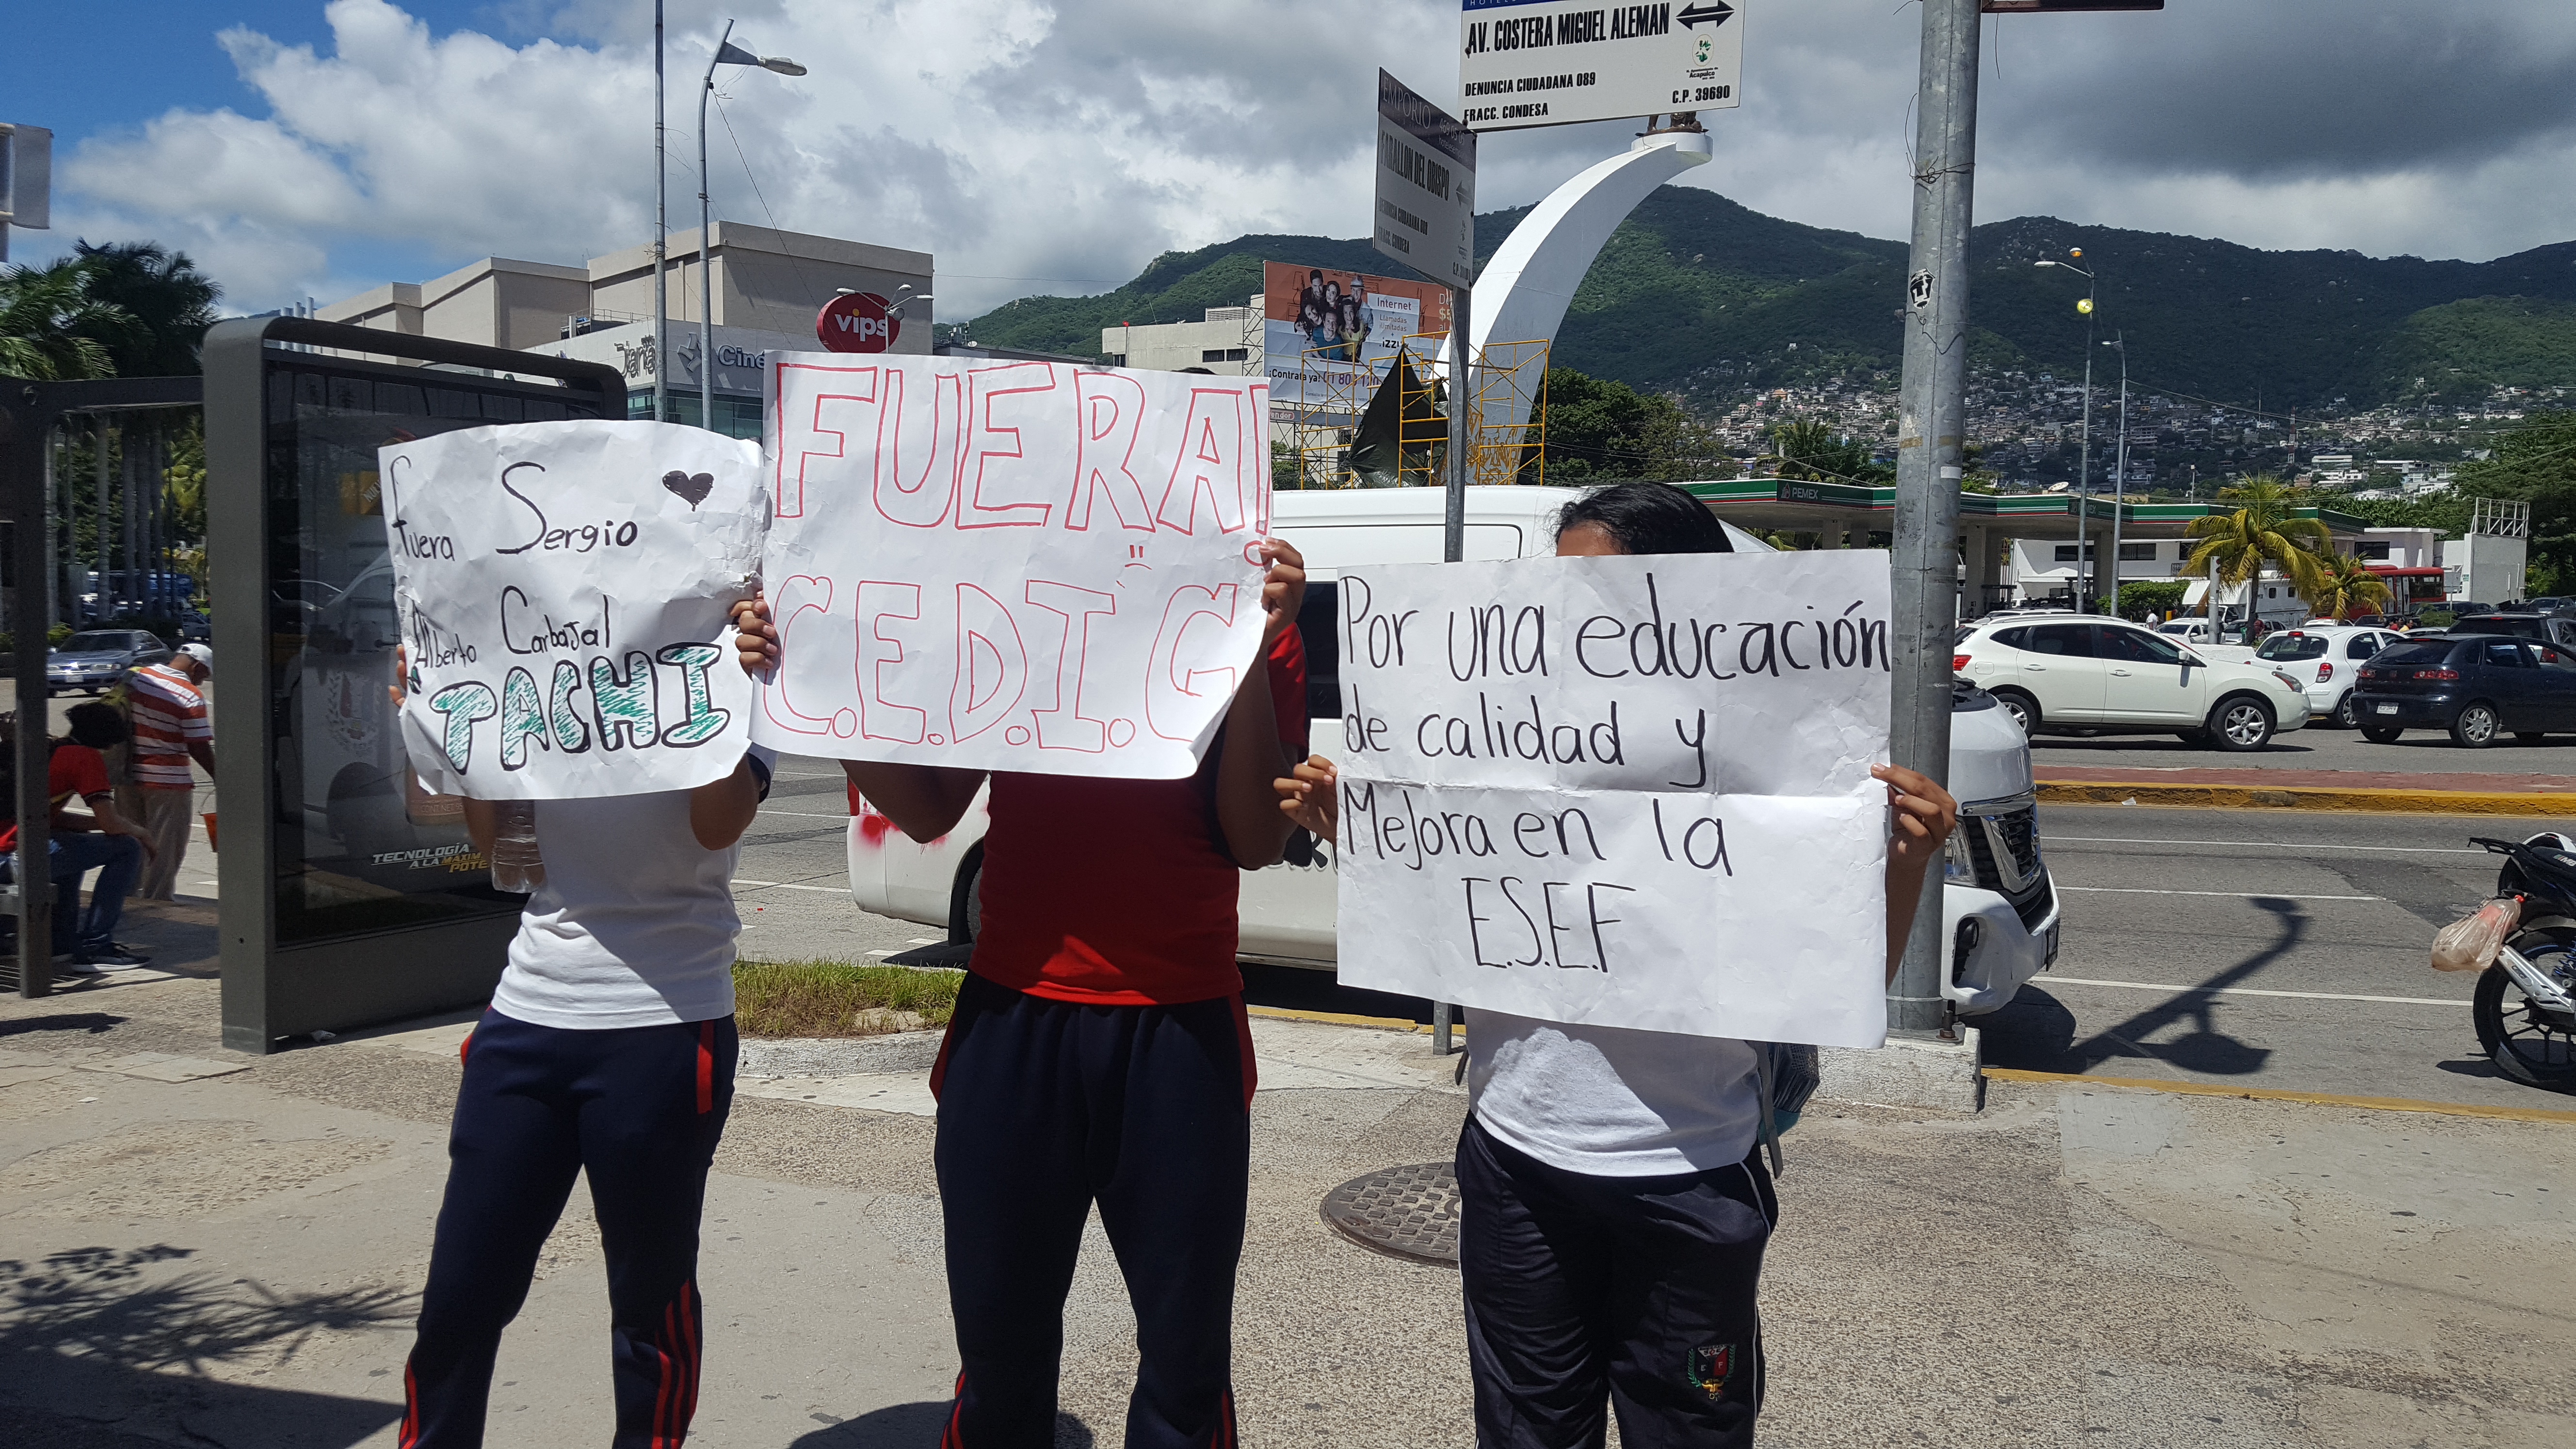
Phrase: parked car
(95, 660)
(2105, 676)
(2326, 658)
(2552, 627)
(196, 628)
(1999, 907)
(2550, 604)
(2475, 686)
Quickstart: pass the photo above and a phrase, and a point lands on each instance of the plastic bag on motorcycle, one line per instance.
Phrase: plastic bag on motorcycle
(2471, 942)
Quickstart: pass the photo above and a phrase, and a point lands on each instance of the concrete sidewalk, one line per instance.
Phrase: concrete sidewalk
(210, 1249)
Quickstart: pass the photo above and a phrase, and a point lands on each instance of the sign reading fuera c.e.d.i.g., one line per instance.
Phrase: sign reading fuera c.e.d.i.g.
(564, 591)
(1627, 791)
(1552, 63)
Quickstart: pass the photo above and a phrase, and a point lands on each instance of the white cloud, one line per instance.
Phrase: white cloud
(1070, 142)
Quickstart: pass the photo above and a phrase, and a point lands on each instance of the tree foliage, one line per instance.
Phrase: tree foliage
(50, 325)
(2345, 586)
(2262, 529)
(2535, 463)
(168, 305)
(1809, 448)
(1597, 431)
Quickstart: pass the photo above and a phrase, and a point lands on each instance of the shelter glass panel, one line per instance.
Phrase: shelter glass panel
(360, 847)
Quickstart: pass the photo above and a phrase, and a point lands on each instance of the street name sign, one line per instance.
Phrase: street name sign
(1426, 186)
(1528, 63)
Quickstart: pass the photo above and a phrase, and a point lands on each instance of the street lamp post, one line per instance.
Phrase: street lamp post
(727, 53)
(2088, 570)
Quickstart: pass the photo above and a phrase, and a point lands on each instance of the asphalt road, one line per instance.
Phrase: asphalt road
(2179, 922)
(2313, 748)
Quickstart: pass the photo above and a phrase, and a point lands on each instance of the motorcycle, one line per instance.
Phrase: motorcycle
(2525, 1004)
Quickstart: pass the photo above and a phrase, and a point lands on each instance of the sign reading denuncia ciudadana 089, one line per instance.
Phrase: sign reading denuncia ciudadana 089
(1548, 63)
(1426, 186)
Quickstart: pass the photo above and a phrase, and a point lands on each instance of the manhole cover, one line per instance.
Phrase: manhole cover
(1411, 1212)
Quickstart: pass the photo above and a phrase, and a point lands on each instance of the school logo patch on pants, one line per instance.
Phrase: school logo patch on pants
(1711, 1365)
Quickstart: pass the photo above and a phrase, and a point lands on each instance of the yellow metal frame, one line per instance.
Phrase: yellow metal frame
(1510, 381)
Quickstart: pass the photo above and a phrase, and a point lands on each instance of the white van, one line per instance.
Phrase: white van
(1999, 906)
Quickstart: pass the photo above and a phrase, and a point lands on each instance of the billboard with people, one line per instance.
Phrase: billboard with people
(1321, 327)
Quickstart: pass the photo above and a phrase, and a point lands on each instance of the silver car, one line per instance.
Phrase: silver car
(97, 659)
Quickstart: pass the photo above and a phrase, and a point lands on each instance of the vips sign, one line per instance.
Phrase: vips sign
(1628, 792)
(1011, 566)
(1545, 63)
(563, 591)
(857, 322)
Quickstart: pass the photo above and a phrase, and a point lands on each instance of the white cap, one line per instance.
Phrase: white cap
(204, 656)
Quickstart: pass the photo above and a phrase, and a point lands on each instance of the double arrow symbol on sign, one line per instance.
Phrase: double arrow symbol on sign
(1699, 15)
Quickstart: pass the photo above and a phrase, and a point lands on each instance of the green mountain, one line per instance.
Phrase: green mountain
(1698, 295)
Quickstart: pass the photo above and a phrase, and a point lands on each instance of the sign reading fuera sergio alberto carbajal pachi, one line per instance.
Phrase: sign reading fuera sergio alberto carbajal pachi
(564, 590)
(1628, 791)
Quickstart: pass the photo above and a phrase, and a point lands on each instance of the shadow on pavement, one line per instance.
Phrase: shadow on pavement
(89, 1023)
(89, 1340)
(2036, 1032)
(916, 1426)
(1295, 988)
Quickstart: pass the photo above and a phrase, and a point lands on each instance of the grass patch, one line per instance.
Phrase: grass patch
(834, 998)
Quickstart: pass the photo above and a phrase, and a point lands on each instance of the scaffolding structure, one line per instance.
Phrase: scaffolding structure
(1507, 416)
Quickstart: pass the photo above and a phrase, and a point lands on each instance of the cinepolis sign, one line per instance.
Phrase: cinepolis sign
(857, 322)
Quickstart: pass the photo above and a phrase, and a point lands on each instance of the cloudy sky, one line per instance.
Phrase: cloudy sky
(298, 148)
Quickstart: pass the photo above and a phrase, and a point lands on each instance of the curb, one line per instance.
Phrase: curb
(2306, 797)
(2268, 1094)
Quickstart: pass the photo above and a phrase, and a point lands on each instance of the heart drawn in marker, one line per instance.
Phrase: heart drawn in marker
(692, 486)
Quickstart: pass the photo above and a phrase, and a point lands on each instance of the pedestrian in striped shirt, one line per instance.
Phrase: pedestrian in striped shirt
(171, 730)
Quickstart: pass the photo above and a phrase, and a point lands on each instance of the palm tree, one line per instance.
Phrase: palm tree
(50, 326)
(1809, 448)
(2263, 529)
(2349, 587)
(170, 304)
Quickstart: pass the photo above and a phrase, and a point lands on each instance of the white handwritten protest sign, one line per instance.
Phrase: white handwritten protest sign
(1621, 791)
(564, 589)
(1011, 565)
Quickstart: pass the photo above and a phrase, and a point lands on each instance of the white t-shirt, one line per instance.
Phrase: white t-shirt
(634, 925)
(1609, 1102)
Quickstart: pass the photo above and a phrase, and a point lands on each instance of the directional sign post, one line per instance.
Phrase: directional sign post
(1537, 63)
(1426, 186)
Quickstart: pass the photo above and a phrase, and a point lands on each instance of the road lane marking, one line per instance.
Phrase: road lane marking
(2274, 1094)
(2231, 895)
(780, 885)
(2267, 844)
(2250, 991)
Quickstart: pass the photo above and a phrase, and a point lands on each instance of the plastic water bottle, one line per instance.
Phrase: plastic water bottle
(517, 869)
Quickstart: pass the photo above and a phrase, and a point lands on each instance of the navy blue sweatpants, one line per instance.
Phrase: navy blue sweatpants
(1046, 1107)
(639, 1109)
(1634, 1290)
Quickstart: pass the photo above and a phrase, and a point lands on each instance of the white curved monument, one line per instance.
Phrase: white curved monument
(1530, 281)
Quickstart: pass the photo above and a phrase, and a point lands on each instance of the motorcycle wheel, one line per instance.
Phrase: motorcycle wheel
(2524, 1045)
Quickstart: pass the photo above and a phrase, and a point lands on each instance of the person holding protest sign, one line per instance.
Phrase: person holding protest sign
(1614, 1206)
(608, 1049)
(1100, 1051)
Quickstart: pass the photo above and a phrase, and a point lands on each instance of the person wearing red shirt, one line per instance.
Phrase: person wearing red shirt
(1099, 1052)
(102, 840)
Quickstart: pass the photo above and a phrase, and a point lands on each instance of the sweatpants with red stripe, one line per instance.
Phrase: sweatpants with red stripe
(637, 1108)
(1046, 1107)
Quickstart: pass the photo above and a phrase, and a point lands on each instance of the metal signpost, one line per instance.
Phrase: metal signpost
(349, 895)
(1538, 63)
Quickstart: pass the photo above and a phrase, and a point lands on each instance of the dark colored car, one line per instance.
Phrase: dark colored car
(2521, 623)
(2551, 604)
(2476, 687)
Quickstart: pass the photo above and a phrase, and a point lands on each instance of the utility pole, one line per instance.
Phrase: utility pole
(2120, 471)
(661, 233)
(1924, 563)
(1453, 523)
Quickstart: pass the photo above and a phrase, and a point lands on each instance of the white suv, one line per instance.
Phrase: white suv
(2326, 659)
(2106, 676)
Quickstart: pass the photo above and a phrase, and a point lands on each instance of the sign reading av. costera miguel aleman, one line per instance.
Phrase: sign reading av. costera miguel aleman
(1426, 186)
(564, 591)
(1548, 63)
